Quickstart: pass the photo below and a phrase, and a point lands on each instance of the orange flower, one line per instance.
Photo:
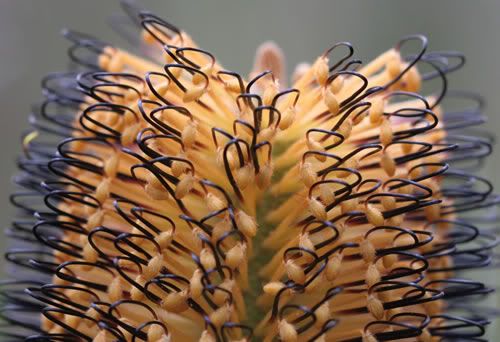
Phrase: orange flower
(169, 199)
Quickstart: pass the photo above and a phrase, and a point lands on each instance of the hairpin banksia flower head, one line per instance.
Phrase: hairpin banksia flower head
(166, 198)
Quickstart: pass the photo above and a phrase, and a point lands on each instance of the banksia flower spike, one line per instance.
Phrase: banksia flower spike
(165, 198)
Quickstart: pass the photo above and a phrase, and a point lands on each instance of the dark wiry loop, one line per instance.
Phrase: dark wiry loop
(161, 30)
(85, 50)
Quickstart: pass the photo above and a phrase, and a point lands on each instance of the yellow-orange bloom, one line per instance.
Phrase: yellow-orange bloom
(184, 202)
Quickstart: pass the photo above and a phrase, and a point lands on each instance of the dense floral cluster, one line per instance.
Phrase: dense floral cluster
(166, 198)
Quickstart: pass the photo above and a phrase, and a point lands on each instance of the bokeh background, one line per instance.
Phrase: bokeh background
(30, 47)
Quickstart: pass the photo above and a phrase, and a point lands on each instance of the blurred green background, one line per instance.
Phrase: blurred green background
(30, 46)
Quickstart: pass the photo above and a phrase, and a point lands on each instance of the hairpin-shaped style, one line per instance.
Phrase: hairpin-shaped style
(168, 199)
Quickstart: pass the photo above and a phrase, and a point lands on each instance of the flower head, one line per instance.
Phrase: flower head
(169, 199)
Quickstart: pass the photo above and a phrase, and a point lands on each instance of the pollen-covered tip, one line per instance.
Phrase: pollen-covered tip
(184, 186)
(375, 307)
(337, 84)
(229, 158)
(194, 93)
(273, 287)
(425, 336)
(153, 268)
(189, 134)
(102, 191)
(244, 176)
(331, 102)
(333, 266)
(368, 251)
(287, 118)
(178, 167)
(376, 111)
(157, 333)
(349, 205)
(307, 174)
(175, 302)
(207, 258)
(388, 164)
(345, 128)
(263, 178)
(198, 78)
(388, 202)
(195, 284)
(102, 336)
(269, 93)
(295, 272)
(374, 215)
(267, 134)
(315, 145)
(386, 134)
(305, 242)
(372, 275)
(214, 203)
(221, 315)
(206, 336)
(115, 289)
(317, 208)
(368, 337)
(235, 255)
(164, 239)
(323, 312)
(89, 253)
(156, 193)
(246, 224)
(222, 294)
(111, 165)
(394, 64)
(327, 193)
(286, 331)
(129, 134)
(232, 85)
(321, 70)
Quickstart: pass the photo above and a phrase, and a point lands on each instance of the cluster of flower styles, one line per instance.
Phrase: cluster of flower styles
(147, 181)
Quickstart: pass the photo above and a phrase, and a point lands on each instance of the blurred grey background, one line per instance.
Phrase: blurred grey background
(30, 46)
